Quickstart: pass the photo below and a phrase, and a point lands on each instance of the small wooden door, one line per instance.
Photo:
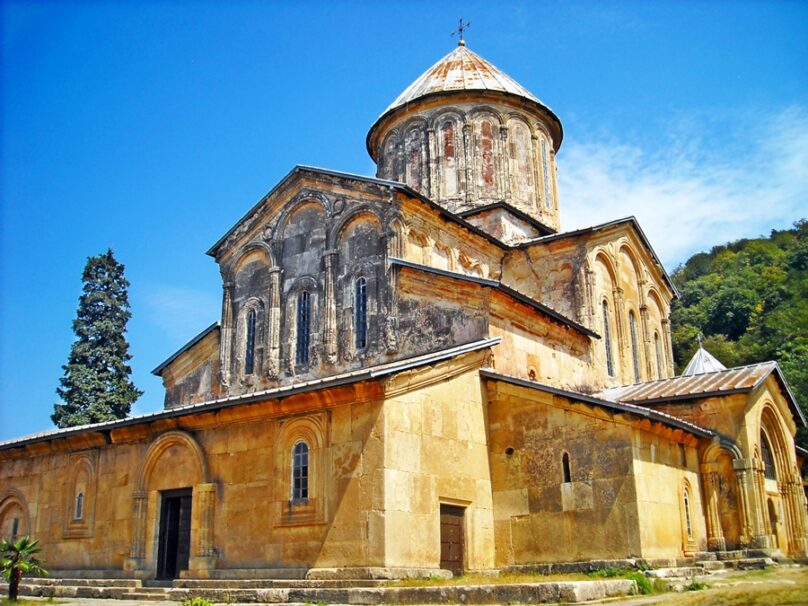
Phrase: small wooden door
(452, 538)
(175, 534)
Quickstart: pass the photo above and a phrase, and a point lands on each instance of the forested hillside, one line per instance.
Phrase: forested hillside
(750, 301)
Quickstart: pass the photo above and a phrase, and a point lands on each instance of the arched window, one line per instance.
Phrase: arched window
(545, 165)
(300, 472)
(15, 528)
(448, 163)
(361, 313)
(658, 349)
(635, 352)
(766, 453)
(249, 353)
(303, 327)
(78, 511)
(607, 340)
(565, 468)
(688, 524)
(487, 156)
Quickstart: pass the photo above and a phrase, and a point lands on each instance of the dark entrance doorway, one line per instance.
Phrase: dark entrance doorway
(175, 533)
(451, 538)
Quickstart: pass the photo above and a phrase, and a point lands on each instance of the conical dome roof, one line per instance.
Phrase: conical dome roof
(461, 70)
(702, 362)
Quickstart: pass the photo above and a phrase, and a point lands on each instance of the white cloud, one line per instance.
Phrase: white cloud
(700, 190)
(180, 313)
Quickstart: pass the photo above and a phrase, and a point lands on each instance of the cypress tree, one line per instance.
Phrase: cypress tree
(96, 386)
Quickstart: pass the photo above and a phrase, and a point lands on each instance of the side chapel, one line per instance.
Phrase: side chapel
(421, 371)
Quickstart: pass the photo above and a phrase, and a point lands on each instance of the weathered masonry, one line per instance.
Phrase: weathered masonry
(417, 371)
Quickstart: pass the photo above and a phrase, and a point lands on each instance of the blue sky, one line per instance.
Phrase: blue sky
(151, 127)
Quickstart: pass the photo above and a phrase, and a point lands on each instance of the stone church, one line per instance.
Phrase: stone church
(420, 371)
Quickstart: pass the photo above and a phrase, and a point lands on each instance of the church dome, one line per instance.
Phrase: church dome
(467, 135)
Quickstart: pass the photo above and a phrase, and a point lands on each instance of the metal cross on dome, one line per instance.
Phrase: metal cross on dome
(461, 27)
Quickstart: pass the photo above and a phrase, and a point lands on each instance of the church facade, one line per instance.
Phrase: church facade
(419, 371)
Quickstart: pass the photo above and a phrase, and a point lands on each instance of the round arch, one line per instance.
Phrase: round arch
(12, 499)
(163, 443)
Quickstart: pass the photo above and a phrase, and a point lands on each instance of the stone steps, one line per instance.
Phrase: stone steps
(570, 591)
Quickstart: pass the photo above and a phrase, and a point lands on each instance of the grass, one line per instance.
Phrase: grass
(28, 602)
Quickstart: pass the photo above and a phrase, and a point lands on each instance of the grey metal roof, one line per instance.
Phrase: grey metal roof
(541, 227)
(640, 411)
(356, 376)
(184, 348)
(702, 362)
(514, 294)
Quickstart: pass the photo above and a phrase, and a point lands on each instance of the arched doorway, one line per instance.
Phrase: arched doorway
(173, 510)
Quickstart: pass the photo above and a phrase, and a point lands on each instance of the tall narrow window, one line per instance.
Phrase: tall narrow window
(300, 472)
(449, 166)
(688, 525)
(303, 322)
(565, 468)
(78, 511)
(635, 353)
(658, 349)
(768, 460)
(545, 165)
(249, 354)
(487, 156)
(15, 528)
(361, 313)
(607, 340)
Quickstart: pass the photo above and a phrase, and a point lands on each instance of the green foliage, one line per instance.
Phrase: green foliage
(749, 299)
(643, 583)
(696, 586)
(197, 602)
(17, 559)
(95, 386)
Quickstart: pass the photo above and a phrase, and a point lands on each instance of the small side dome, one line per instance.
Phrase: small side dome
(702, 362)
(468, 136)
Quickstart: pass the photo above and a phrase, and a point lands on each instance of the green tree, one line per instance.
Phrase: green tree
(18, 558)
(96, 386)
(749, 298)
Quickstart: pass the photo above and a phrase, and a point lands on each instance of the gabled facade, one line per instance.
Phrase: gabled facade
(419, 371)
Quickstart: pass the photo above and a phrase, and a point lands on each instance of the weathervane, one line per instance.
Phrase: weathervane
(461, 27)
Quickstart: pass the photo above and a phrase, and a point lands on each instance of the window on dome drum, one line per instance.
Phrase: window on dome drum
(546, 174)
(688, 524)
(565, 468)
(303, 324)
(766, 452)
(249, 354)
(607, 340)
(635, 353)
(300, 472)
(361, 313)
(487, 148)
(78, 511)
(658, 349)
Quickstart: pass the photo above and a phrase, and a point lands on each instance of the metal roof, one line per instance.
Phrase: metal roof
(461, 70)
(640, 411)
(734, 380)
(702, 362)
(356, 376)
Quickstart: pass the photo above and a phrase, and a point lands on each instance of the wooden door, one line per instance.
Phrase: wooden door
(452, 543)
(174, 545)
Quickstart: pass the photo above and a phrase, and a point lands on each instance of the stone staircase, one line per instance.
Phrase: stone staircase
(297, 591)
(674, 574)
(704, 564)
